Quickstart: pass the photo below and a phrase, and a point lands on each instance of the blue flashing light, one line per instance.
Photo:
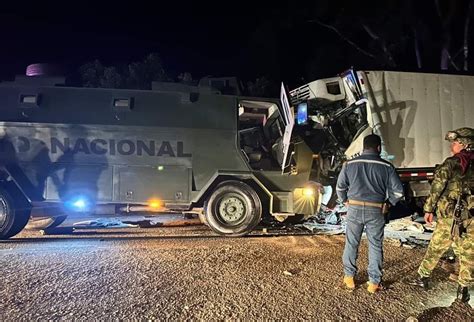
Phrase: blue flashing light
(80, 204)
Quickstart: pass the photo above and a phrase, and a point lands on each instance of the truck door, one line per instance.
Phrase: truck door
(288, 119)
(352, 85)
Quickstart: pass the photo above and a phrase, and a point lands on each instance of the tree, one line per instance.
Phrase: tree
(400, 34)
(92, 73)
(262, 87)
(136, 75)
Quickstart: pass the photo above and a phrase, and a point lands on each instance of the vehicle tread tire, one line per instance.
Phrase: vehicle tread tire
(16, 217)
(247, 195)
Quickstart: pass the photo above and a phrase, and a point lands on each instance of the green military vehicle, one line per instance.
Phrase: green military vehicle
(66, 150)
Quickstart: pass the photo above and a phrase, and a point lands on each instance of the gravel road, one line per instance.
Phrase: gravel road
(183, 273)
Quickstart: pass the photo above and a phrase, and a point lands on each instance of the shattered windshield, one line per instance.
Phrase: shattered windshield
(349, 125)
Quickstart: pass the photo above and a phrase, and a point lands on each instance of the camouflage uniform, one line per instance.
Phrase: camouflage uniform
(449, 182)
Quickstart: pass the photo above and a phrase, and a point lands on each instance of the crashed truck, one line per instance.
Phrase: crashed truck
(66, 150)
(411, 112)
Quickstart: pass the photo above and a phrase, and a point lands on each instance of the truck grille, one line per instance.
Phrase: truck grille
(300, 94)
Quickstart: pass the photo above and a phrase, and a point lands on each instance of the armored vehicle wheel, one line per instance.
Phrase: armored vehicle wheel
(233, 209)
(12, 220)
(43, 223)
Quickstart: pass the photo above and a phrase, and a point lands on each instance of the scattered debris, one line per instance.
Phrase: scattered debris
(403, 232)
(327, 221)
(405, 223)
(291, 272)
(102, 223)
(138, 221)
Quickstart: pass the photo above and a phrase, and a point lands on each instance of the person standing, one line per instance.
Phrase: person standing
(365, 184)
(451, 198)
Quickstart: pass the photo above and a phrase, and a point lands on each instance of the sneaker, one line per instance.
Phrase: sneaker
(374, 288)
(349, 282)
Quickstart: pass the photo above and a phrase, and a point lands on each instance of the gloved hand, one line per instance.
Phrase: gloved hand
(429, 217)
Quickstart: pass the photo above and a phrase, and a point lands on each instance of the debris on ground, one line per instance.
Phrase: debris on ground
(138, 221)
(103, 223)
(405, 223)
(409, 232)
(327, 221)
(291, 272)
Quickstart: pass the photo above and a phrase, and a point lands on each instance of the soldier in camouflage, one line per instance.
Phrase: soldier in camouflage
(452, 197)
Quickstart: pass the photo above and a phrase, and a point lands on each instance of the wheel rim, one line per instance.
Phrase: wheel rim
(3, 212)
(231, 209)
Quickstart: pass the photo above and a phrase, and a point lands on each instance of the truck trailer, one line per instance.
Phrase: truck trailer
(410, 111)
(65, 150)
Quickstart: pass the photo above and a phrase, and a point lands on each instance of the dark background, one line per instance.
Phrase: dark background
(291, 41)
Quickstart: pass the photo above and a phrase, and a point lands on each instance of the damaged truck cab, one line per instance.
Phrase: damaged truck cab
(67, 150)
(409, 111)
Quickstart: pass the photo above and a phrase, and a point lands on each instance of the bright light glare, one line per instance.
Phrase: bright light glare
(79, 204)
(154, 204)
(308, 192)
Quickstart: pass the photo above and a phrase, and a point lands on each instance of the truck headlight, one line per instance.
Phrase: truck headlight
(308, 192)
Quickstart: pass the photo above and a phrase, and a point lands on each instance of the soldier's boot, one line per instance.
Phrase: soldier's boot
(463, 294)
(349, 282)
(421, 282)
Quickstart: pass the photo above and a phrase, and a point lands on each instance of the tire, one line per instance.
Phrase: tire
(12, 218)
(44, 223)
(233, 209)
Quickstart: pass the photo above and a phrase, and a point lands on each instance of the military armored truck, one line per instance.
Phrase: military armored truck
(77, 149)
(410, 111)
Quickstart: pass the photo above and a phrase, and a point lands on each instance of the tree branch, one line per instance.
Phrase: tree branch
(417, 48)
(342, 37)
(376, 37)
(452, 61)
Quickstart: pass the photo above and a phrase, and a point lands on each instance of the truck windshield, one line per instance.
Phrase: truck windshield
(349, 125)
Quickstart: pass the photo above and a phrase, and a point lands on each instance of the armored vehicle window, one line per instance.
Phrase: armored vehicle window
(29, 100)
(123, 104)
(260, 133)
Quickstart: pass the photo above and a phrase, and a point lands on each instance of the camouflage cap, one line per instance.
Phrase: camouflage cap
(463, 135)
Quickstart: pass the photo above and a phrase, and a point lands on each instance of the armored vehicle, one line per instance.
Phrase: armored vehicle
(73, 149)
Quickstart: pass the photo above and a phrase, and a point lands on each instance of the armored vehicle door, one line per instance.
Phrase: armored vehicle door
(288, 118)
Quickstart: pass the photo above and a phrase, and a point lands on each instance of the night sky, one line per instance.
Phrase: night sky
(239, 38)
(188, 37)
